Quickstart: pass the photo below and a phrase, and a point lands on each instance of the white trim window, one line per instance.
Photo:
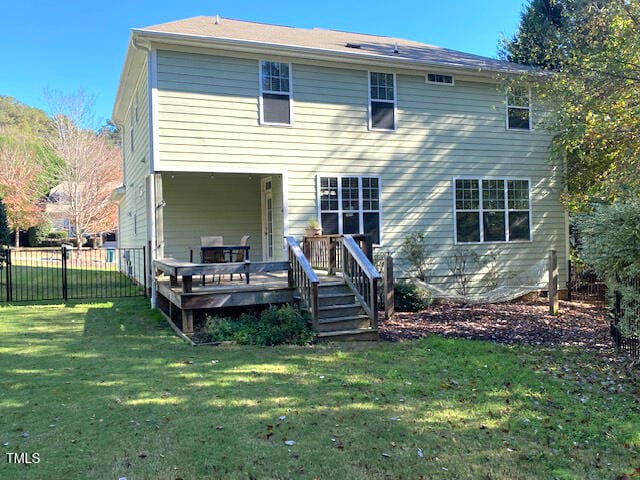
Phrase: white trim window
(519, 108)
(440, 79)
(382, 101)
(350, 205)
(492, 210)
(275, 93)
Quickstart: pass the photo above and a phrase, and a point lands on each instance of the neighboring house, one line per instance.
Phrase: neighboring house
(57, 208)
(236, 128)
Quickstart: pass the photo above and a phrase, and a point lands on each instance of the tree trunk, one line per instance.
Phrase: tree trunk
(17, 242)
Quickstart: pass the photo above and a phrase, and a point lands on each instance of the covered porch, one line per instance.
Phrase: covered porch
(191, 205)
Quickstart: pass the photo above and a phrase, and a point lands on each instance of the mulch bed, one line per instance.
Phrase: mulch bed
(519, 322)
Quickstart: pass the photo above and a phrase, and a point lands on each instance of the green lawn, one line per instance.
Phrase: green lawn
(37, 282)
(105, 390)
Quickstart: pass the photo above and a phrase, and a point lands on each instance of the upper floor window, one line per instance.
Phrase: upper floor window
(350, 205)
(440, 79)
(519, 109)
(492, 210)
(131, 135)
(275, 93)
(382, 108)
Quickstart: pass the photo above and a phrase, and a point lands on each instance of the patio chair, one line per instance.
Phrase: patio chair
(208, 256)
(241, 255)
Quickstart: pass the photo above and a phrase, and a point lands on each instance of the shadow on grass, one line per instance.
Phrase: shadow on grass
(105, 390)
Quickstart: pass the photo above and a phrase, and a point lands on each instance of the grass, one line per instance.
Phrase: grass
(34, 283)
(105, 391)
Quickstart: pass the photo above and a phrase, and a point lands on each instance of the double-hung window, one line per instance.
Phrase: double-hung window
(519, 109)
(275, 93)
(492, 210)
(350, 205)
(382, 105)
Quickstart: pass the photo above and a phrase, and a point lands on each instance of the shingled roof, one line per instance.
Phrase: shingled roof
(329, 41)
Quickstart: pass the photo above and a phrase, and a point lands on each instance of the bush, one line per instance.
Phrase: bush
(410, 298)
(61, 235)
(39, 233)
(414, 248)
(611, 239)
(274, 326)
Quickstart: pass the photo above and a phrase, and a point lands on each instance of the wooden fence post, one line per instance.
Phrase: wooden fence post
(389, 302)
(553, 282)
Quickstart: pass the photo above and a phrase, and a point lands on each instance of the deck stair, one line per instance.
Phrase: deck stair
(340, 301)
(341, 316)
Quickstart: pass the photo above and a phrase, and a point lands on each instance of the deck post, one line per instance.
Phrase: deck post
(187, 321)
(553, 282)
(187, 283)
(389, 300)
(332, 256)
(173, 280)
(315, 308)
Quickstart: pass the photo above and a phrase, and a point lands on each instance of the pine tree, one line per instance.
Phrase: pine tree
(4, 225)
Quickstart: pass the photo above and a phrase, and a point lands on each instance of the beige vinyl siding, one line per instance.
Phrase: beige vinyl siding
(208, 120)
(136, 169)
(199, 205)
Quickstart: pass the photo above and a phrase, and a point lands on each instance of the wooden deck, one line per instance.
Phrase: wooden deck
(183, 293)
(341, 306)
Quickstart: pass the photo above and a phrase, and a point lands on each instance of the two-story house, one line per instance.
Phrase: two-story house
(237, 128)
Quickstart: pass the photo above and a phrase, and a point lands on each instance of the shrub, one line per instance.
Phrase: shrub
(610, 237)
(410, 298)
(414, 248)
(39, 233)
(58, 235)
(274, 326)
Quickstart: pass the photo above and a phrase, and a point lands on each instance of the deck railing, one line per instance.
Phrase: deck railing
(304, 279)
(361, 276)
(323, 253)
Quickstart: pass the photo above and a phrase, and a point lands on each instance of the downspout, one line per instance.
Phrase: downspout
(151, 186)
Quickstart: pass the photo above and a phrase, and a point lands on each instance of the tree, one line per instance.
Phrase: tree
(22, 185)
(91, 168)
(594, 95)
(4, 225)
(32, 123)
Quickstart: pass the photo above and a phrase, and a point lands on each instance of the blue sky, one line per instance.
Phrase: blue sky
(72, 44)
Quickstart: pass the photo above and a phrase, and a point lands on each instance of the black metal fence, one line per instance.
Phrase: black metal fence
(584, 285)
(34, 274)
(625, 323)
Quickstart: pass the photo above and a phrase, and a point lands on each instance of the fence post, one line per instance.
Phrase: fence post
(9, 286)
(389, 301)
(65, 293)
(569, 273)
(144, 269)
(553, 282)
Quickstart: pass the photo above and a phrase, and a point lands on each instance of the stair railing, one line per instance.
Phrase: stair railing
(361, 276)
(304, 279)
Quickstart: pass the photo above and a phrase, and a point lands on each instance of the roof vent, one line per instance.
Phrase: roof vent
(395, 48)
(353, 45)
(217, 19)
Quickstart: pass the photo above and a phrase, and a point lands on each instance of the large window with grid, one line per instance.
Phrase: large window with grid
(350, 205)
(382, 105)
(492, 210)
(275, 93)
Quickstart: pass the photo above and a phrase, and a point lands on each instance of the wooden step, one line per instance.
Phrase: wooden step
(340, 310)
(328, 299)
(353, 322)
(358, 334)
(333, 287)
